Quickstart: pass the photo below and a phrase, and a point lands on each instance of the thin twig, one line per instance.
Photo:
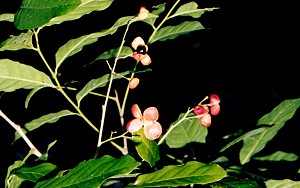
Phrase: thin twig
(34, 150)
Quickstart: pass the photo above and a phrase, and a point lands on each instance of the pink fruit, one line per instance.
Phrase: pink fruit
(215, 109)
(152, 131)
(151, 114)
(136, 112)
(134, 125)
(214, 99)
(133, 83)
(205, 120)
(199, 110)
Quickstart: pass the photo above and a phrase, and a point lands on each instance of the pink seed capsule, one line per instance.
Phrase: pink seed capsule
(199, 110)
(136, 112)
(133, 83)
(152, 131)
(205, 120)
(215, 109)
(214, 99)
(134, 125)
(151, 114)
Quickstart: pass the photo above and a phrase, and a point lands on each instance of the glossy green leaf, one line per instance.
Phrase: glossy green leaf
(7, 17)
(190, 9)
(276, 119)
(35, 173)
(36, 13)
(285, 183)
(49, 118)
(171, 32)
(97, 83)
(93, 172)
(86, 7)
(22, 41)
(147, 149)
(188, 130)
(74, 46)
(14, 75)
(278, 156)
(192, 172)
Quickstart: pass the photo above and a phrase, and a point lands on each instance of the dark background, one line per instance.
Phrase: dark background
(248, 55)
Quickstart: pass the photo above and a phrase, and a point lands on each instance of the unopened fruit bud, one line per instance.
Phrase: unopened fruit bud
(143, 13)
(133, 83)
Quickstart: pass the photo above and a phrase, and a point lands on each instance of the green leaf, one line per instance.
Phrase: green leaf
(35, 173)
(242, 137)
(190, 9)
(279, 156)
(93, 172)
(49, 118)
(192, 172)
(7, 17)
(171, 32)
(11, 180)
(276, 119)
(14, 75)
(86, 7)
(97, 83)
(147, 149)
(22, 41)
(36, 13)
(158, 9)
(122, 21)
(125, 52)
(188, 130)
(74, 46)
(285, 183)
(44, 157)
(32, 92)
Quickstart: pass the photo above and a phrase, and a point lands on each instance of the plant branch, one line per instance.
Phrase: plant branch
(33, 149)
(59, 87)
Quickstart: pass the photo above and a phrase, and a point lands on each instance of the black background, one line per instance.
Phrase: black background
(248, 55)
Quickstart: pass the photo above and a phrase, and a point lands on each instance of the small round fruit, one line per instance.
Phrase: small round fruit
(214, 99)
(137, 42)
(134, 125)
(152, 131)
(151, 114)
(199, 110)
(146, 60)
(205, 120)
(215, 109)
(136, 112)
(133, 83)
